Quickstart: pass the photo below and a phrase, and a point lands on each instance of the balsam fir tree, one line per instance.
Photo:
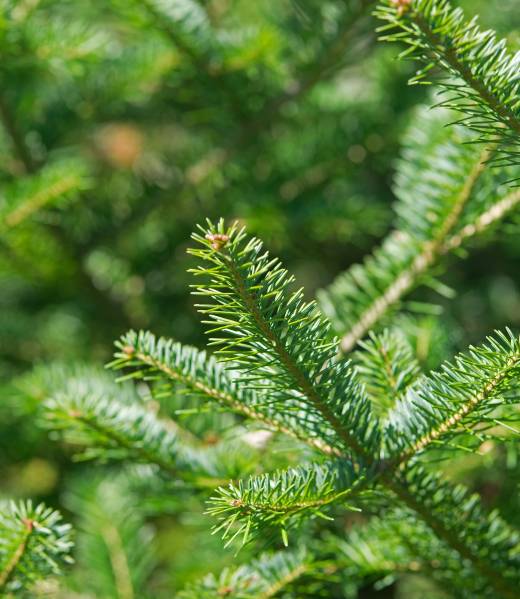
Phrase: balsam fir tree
(304, 414)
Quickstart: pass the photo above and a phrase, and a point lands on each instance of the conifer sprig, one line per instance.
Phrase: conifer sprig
(34, 543)
(375, 550)
(482, 81)
(264, 578)
(458, 398)
(252, 312)
(273, 335)
(188, 369)
(431, 201)
(104, 428)
(484, 222)
(398, 542)
(458, 519)
(446, 194)
(277, 365)
(276, 500)
(387, 367)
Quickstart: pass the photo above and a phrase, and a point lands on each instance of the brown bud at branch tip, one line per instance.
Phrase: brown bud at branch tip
(29, 524)
(402, 6)
(218, 240)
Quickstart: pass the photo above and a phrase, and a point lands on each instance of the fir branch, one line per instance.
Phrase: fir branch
(145, 355)
(485, 221)
(458, 519)
(91, 419)
(462, 393)
(397, 542)
(426, 257)
(46, 380)
(430, 505)
(387, 367)
(111, 430)
(51, 185)
(377, 549)
(273, 334)
(264, 578)
(18, 553)
(443, 187)
(249, 295)
(277, 499)
(485, 88)
(34, 543)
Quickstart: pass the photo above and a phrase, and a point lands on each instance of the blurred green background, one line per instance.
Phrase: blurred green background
(124, 123)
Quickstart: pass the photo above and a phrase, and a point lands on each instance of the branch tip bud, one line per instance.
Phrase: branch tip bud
(402, 6)
(218, 240)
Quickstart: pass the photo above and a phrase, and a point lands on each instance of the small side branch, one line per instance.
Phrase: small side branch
(22, 151)
(228, 400)
(16, 558)
(427, 257)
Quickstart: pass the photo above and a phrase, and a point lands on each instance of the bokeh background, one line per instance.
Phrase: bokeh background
(124, 123)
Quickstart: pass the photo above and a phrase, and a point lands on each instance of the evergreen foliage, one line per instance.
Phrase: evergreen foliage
(446, 194)
(463, 395)
(115, 543)
(314, 431)
(133, 432)
(482, 80)
(263, 578)
(34, 543)
(387, 368)
(275, 336)
(273, 500)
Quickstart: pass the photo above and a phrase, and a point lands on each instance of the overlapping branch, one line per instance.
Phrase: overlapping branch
(447, 193)
(481, 82)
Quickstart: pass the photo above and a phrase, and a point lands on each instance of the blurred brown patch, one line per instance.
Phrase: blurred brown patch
(120, 144)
